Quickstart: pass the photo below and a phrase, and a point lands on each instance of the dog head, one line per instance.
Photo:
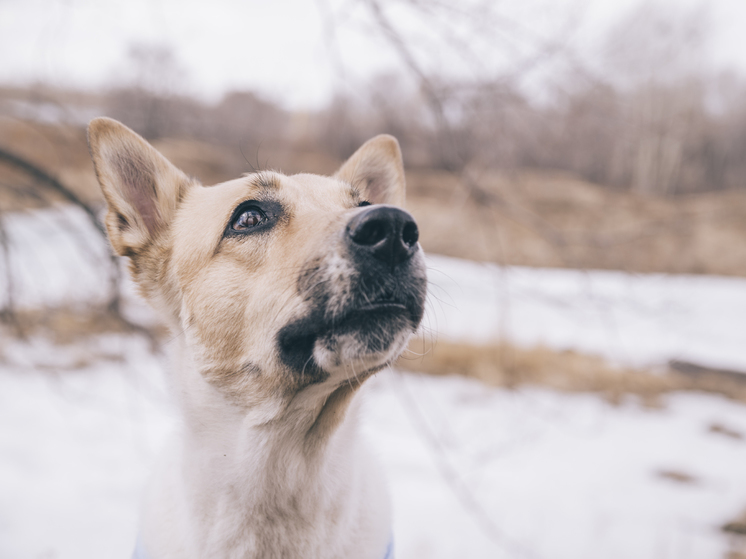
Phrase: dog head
(276, 284)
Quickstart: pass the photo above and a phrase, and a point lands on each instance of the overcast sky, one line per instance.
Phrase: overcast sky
(286, 49)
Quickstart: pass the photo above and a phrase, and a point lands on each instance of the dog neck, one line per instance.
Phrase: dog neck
(248, 477)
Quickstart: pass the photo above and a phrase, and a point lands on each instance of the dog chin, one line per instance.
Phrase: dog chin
(352, 356)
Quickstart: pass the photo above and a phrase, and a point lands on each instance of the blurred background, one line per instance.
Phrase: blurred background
(577, 169)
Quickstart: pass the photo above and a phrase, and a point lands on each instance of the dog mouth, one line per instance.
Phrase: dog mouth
(368, 320)
(355, 316)
(373, 325)
(370, 312)
(383, 306)
(361, 318)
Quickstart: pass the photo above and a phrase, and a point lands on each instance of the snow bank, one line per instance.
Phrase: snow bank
(475, 471)
(638, 319)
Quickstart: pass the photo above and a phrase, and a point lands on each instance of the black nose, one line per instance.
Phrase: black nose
(386, 233)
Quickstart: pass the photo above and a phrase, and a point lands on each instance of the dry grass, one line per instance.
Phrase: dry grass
(61, 151)
(69, 325)
(556, 220)
(503, 364)
(737, 526)
(736, 529)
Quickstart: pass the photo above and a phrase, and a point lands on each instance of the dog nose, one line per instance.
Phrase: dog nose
(386, 233)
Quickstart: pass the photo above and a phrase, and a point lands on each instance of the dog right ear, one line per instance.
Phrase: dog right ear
(377, 168)
(142, 188)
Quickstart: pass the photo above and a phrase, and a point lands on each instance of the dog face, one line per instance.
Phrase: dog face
(277, 283)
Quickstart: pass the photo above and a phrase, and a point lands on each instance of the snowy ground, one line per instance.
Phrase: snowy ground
(475, 472)
(639, 319)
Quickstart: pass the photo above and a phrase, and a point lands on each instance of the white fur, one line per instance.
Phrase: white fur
(229, 471)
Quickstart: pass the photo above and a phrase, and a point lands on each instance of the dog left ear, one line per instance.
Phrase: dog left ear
(142, 188)
(377, 168)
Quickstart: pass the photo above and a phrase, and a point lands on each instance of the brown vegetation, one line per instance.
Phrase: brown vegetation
(69, 325)
(504, 364)
(558, 220)
(736, 529)
(521, 217)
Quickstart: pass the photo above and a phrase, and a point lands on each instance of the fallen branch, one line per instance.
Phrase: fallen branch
(696, 371)
(54, 184)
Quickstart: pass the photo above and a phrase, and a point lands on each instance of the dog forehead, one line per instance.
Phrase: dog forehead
(327, 191)
(292, 191)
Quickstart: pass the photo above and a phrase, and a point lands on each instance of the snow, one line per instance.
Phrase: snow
(638, 319)
(560, 476)
(75, 449)
(475, 471)
(56, 257)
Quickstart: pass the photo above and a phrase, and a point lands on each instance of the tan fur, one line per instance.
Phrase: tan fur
(226, 299)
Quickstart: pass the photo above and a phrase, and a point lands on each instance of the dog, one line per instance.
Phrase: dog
(284, 294)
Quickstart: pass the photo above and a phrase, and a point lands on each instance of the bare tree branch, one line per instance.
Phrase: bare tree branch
(54, 184)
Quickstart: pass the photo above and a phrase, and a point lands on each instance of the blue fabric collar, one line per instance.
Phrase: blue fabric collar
(390, 549)
(139, 552)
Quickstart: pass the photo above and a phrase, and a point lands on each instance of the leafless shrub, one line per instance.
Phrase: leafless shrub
(650, 118)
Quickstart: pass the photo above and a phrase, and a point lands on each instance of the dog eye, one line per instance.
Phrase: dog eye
(249, 218)
(363, 204)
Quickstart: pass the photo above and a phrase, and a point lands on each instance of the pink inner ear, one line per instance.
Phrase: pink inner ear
(137, 178)
(377, 184)
(376, 189)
